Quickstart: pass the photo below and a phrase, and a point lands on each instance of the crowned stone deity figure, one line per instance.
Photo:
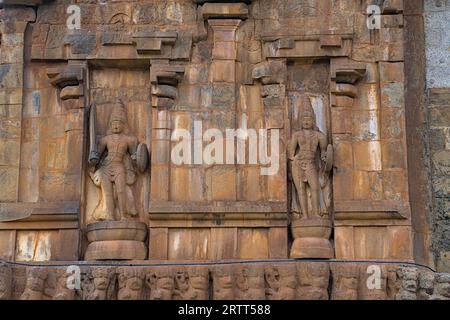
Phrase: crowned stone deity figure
(310, 162)
(113, 169)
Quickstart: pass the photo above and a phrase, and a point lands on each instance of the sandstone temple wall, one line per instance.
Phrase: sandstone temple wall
(350, 161)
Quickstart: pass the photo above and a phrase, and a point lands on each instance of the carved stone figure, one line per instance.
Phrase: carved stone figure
(5, 281)
(131, 282)
(281, 282)
(250, 283)
(313, 281)
(35, 283)
(62, 292)
(310, 162)
(100, 284)
(161, 283)
(199, 280)
(113, 167)
(223, 283)
(305, 172)
(345, 281)
(191, 284)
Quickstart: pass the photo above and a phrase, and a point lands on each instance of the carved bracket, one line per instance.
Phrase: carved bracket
(344, 76)
(70, 81)
(164, 78)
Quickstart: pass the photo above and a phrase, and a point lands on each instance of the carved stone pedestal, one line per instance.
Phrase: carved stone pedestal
(311, 239)
(116, 240)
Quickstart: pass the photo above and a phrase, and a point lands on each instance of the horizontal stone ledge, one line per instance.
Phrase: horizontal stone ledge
(41, 225)
(224, 10)
(22, 2)
(280, 36)
(39, 211)
(219, 220)
(307, 49)
(217, 207)
(371, 210)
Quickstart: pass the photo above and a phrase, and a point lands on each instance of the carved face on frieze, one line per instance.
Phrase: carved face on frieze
(101, 279)
(199, 282)
(131, 279)
(36, 279)
(161, 285)
(272, 277)
(182, 280)
(199, 278)
(288, 278)
(224, 278)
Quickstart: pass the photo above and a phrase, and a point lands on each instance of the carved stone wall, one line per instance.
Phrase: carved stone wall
(94, 121)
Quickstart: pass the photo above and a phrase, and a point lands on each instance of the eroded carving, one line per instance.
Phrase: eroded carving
(160, 282)
(5, 281)
(131, 282)
(99, 283)
(345, 281)
(63, 281)
(313, 281)
(310, 161)
(191, 284)
(281, 282)
(35, 283)
(250, 283)
(223, 283)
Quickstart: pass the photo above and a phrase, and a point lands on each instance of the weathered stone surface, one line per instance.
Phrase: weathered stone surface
(200, 70)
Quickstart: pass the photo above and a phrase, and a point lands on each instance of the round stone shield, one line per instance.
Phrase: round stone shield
(142, 158)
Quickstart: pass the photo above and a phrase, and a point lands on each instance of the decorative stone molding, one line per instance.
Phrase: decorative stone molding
(287, 280)
(116, 240)
(164, 78)
(224, 10)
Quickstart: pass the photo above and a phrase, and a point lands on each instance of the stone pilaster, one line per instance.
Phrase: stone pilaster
(11, 91)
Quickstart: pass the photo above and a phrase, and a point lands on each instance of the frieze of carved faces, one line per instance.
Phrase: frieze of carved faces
(99, 284)
(223, 283)
(250, 282)
(191, 283)
(345, 281)
(160, 282)
(313, 280)
(131, 283)
(35, 283)
(63, 279)
(281, 282)
(5, 281)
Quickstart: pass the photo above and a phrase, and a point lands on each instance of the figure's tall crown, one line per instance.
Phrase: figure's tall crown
(118, 113)
(306, 110)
